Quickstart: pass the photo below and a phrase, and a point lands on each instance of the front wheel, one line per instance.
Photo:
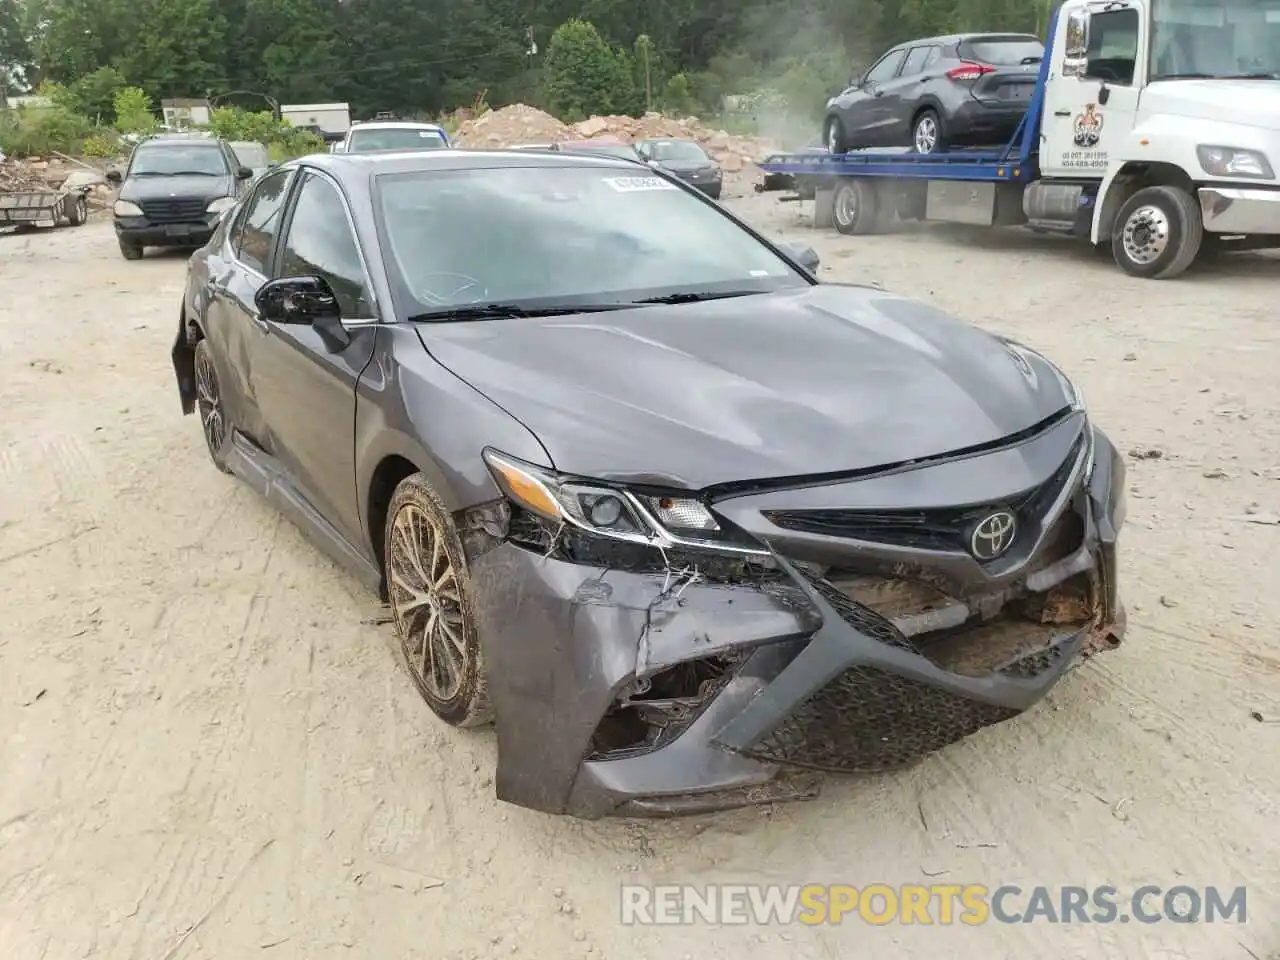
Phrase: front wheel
(130, 251)
(1158, 233)
(213, 418)
(433, 607)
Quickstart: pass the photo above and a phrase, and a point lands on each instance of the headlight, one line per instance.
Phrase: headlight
(123, 208)
(1233, 162)
(614, 511)
(221, 205)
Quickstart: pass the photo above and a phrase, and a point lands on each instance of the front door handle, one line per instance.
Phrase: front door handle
(1062, 113)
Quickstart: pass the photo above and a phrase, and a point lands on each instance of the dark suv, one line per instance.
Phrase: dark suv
(173, 192)
(931, 94)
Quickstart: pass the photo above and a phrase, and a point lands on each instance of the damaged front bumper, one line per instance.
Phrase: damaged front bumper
(708, 683)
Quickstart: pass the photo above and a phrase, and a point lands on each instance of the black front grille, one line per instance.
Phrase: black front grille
(174, 210)
(943, 528)
(868, 720)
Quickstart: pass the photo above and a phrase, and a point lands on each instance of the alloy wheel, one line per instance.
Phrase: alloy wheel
(426, 601)
(926, 135)
(209, 402)
(1146, 234)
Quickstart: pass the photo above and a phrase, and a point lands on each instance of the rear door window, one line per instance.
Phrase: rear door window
(1002, 51)
(917, 59)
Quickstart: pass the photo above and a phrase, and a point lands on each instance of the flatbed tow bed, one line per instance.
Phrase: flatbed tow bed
(1138, 183)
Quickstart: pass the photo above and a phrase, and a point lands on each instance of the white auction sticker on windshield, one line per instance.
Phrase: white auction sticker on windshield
(633, 184)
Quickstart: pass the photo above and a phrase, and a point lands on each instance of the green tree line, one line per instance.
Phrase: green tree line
(430, 56)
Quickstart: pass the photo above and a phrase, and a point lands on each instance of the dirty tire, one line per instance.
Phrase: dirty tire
(856, 207)
(78, 213)
(129, 251)
(209, 406)
(1157, 233)
(433, 605)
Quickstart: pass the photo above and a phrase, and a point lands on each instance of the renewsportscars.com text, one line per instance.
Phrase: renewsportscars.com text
(927, 904)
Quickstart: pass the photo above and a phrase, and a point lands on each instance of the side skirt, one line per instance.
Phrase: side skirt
(263, 473)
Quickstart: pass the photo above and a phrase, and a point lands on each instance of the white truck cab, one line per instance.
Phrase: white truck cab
(1163, 118)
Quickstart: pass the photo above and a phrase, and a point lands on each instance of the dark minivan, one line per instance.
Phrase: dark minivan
(173, 192)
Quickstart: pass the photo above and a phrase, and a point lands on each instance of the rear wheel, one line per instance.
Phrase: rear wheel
(432, 605)
(834, 137)
(130, 251)
(1158, 233)
(856, 207)
(927, 134)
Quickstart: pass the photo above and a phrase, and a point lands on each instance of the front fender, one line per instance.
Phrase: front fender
(410, 406)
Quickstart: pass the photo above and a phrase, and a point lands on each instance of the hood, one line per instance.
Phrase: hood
(1250, 103)
(176, 188)
(826, 379)
(688, 166)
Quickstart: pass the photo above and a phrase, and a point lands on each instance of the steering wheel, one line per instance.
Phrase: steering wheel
(425, 292)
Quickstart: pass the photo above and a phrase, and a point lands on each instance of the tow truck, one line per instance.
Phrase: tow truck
(1153, 131)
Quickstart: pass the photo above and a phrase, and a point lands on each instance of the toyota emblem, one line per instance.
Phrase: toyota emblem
(993, 535)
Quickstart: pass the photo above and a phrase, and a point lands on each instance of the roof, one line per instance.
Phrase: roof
(346, 165)
(179, 139)
(965, 37)
(396, 125)
(178, 103)
(286, 107)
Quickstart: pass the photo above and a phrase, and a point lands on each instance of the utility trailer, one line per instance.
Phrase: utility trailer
(1135, 138)
(30, 207)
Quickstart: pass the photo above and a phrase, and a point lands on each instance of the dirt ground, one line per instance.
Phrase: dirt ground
(208, 749)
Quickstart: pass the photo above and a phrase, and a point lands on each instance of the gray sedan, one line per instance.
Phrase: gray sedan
(685, 523)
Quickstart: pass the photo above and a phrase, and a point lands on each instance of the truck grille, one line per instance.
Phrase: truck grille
(173, 211)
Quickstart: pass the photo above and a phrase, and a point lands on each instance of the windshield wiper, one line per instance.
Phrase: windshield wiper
(195, 173)
(505, 311)
(698, 297)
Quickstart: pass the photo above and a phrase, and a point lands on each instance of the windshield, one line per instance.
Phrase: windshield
(1002, 51)
(677, 150)
(537, 236)
(204, 159)
(1222, 38)
(396, 138)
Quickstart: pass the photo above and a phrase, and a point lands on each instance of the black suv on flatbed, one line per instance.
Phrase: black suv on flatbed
(173, 192)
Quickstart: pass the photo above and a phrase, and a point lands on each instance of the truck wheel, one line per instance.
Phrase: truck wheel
(1157, 233)
(855, 207)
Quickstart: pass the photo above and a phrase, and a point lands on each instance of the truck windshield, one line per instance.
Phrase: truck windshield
(1215, 39)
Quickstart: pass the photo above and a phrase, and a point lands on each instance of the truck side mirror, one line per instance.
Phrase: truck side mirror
(1076, 54)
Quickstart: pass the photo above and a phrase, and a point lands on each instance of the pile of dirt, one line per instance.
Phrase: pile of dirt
(520, 124)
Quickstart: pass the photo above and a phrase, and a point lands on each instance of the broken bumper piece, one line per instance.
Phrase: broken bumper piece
(693, 687)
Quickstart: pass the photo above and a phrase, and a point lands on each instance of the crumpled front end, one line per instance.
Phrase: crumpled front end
(875, 628)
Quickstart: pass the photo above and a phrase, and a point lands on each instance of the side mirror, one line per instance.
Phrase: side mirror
(304, 300)
(807, 257)
(115, 177)
(244, 173)
(1076, 55)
